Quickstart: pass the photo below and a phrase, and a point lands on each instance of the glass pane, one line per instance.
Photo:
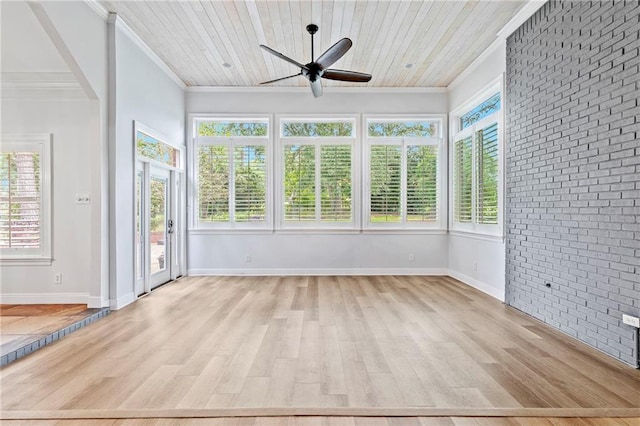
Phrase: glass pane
(413, 129)
(250, 183)
(317, 128)
(335, 183)
(226, 128)
(154, 149)
(299, 183)
(483, 110)
(20, 200)
(463, 179)
(487, 203)
(213, 183)
(386, 175)
(158, 223)
(422, 183)
(139, 181)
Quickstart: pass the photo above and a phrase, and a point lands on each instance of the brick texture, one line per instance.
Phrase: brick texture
(573, 170)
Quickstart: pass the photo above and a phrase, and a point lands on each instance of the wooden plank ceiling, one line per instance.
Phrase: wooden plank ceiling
(438, 38)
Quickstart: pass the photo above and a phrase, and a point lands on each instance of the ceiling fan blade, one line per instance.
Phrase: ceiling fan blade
(334, 53)
(316, 88)
(344, 75)
(283, 78)
(281, 56)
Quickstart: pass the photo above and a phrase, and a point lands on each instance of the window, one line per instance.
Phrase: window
(317, 172)
(154, 149)
(231, 172)
(476, 167)
(404, 161)
(25, 193)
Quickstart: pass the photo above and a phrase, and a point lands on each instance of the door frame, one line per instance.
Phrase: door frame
(177, 208)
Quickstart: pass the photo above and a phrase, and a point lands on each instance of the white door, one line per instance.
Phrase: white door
(157, 245)
(160, 226)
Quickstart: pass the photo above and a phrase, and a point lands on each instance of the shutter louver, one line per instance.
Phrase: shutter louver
(20, 200)
(386, 177)
(422, 183)
(213, 183)
(250, 183)
(487, 196)
(299, 183)
(463, 179)
(335, 183)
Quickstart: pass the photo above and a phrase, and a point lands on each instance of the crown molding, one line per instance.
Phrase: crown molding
(518, 19)
(262, 89)
(120, 24)
(100, 10)
(41, 85)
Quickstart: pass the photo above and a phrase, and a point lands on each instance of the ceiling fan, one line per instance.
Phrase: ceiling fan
(315, 70)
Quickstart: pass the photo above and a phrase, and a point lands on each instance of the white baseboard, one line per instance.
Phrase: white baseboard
(122, 301)
(43, 298)
(483, 287)
(318, 271)
(97, 302)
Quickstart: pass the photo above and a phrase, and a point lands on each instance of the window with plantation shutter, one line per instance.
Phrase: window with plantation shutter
(231, 173)
(24, 198)
(487, 195)
(403, 172)
(317, 172)
(477, 171)
(386, 183)
(463, 186)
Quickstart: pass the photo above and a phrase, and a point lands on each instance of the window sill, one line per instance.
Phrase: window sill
(228, 231)
(25, 261)
(477, 235)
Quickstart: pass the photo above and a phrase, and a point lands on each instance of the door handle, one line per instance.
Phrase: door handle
(170, 226)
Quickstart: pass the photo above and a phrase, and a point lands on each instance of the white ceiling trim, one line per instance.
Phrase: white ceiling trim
(98, 8)
(41, 86)
(520, 18)
(253, 89)
(119, 23)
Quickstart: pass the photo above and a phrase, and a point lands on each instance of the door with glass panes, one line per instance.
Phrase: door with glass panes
(156, 223)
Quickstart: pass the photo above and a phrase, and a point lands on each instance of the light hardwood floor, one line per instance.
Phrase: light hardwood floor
(326, 343)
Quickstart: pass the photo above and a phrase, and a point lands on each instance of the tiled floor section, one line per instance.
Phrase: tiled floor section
(25, 328)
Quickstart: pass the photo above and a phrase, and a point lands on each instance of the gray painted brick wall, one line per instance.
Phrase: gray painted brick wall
(573, 170)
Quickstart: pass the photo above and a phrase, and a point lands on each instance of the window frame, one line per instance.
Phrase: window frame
(473, 227)
(194, 141)
(42, 255)
(440, 223)
(317, 225)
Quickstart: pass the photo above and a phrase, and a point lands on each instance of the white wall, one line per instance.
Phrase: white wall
(139, 91)
(315, 253)
(476, 260)
(71, 222)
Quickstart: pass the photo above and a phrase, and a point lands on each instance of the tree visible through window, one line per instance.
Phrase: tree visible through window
(232, 171)
(24, 195)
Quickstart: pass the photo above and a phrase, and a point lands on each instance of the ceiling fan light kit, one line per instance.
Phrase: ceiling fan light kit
(315, 70)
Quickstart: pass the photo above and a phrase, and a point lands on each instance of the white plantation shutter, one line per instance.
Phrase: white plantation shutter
(20, 199)
(487, 170)
(335, 178)
(385, 187)
(24, 195)
(213, 183)
(249, 183)
(422, 183)
(463, 179)
(299, 183)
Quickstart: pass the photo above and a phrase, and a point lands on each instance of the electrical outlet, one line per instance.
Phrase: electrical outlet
(57, 278)
(632, 321)
(247, 258)
(412, 257)
(475, 266)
